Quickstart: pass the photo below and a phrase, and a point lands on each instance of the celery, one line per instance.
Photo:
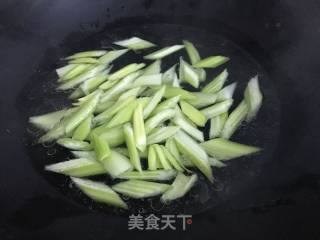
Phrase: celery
(125, 71)
(158, 119)
(77, 93)
(181, 185)
(158, 175)
(111, 56)
(152, 158)
(135, 43)
(223, 149)
(234, 120)
(47, 121)
(74, 144)
(114, 136)
(86, 54)
(74, 72)
(176, 91)
(122, 150)
(140, 189)
(84, 154)
(91, 84)
(217, 124)
(131, 145)
(197, 155)
(99, 192)
(101, 107)
(100, 146)
(160, 135)
(83, 60)
(172, 148)
(217, 83)
(169, 75)
(192, 51)
(203, 99)
(211, 62)
(253, 97)
(193, 114)
(116, 164)
(217, 109)
(148, 80)
(188, 74)
(154, 102)
(171, 159)
(226, 92)
(216, 163)
(134, 92)
(80, 167)
(138, 128)
(167, 104)
(64, 70)
(123, 116)
(153, 68)
(162, 157)
(163, 52)
(83, 130)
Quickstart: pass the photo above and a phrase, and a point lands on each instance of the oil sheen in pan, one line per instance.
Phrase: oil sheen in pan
(232, 184)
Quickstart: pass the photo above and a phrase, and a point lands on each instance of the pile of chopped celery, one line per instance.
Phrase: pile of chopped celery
(139, 125)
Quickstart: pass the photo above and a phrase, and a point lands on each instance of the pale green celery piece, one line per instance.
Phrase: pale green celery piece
(236, 117)
(176, 91)
(211, 62)
(203, 99)
(217, 124)
(83, 130)
(140, 189)
(148, 80)
(116, 164)
(120, 87)
(89, 73)
(111, 111)
(74, 144)
(122, 150)
(100, 146)
(157, 175)
(83, 60)
(131, 145)
(202, 74)
(110, 56)
(161, 134)
(163, 52)
(188, 74)
(84, 154)
(169, 75)
(152, 158)
(226, 92)
(87, 54)
(223, 149)
(135, 43)
(109, 84)
(114, 136)
(153, 68)
(171, 159)
(193, 114)
(196, 153)
(93, 83)
(77, 93)
(159, 118)
(192, 51)
(86, 98)
(186, 161)
(172, 148)
(134, 92)
(81, 167)
(176, 81)
(253, 97)
(85, 110)
(99, 192)
(217, 109)
(155, 100)
(47, 121)
(101, 107)
(74, 72)
(123, 116)
(216, 163)
(125, 71)
(162, 157)
(167, 104)
(182, 122)
(64, 70)
(138, 128)
(180, 186)
(217, 83)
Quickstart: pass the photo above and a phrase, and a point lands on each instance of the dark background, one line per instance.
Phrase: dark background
(284, 36)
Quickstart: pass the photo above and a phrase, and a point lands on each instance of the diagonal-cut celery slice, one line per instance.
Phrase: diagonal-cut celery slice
(131, 145)
(138, 128)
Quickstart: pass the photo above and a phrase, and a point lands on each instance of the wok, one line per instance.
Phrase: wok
(274, 195)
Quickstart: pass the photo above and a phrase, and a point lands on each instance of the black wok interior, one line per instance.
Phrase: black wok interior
(271, 195)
